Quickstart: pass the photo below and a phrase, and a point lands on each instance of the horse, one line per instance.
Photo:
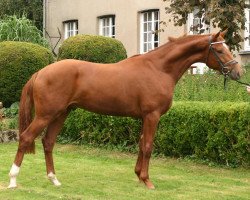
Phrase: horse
(140, 87)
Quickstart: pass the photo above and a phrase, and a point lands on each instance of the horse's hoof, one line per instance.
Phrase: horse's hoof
(13, 183)
(53, 179)
(56, 183)
(12, 186)
(149, 184)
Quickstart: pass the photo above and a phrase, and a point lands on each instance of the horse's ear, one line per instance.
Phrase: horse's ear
(223, 33)
(216, 36)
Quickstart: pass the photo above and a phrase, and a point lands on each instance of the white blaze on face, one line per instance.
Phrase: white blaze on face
(224, 44)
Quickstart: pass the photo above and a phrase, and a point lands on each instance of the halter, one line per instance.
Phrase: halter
(224, 66)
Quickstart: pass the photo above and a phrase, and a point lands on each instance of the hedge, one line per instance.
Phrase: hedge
(92, 48)
(217, 132)
(210, 87)
(18, 61)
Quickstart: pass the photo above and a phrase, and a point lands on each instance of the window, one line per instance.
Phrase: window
(149, 23)
(196, 23)
(247, 30)
(107, 26)
(70, 28)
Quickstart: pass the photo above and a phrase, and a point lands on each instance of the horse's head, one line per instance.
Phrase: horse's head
(220, 58)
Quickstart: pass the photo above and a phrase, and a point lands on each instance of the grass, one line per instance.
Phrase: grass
(92, 173)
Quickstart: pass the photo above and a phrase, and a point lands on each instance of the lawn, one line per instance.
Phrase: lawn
(92, 173)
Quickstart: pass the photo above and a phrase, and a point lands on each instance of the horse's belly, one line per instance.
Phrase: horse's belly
(109, 105)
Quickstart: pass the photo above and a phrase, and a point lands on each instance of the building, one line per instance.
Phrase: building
(133, 22)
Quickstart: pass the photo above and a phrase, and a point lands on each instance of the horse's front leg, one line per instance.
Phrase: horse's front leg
(150, 122)
(138, 165)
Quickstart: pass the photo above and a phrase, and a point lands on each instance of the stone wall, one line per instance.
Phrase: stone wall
(9, 136)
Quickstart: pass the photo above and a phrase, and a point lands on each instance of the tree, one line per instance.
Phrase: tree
(225, 14)
(33, 9)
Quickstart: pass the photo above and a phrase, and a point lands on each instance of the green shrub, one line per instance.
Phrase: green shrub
(18, 61)
(21, 29)
(92, 48)
(82, 127)
(217, 132)
(209, 87)
(12, 111)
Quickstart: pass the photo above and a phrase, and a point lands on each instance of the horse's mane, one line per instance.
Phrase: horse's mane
(183, 38)
(135, 55)
(172, 40)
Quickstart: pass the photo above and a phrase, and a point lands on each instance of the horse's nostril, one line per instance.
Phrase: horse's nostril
(238, 75)
(235, 75)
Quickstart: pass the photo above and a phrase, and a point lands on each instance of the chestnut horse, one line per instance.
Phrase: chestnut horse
(141, 87)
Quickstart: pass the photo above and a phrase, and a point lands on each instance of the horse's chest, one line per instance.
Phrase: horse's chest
(156, 101)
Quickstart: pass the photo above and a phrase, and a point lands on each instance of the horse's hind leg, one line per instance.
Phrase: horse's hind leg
(48, 143)
(25, 141)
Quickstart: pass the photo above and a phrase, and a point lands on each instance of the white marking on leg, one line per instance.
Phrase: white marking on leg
(13, 174)
(53, 179)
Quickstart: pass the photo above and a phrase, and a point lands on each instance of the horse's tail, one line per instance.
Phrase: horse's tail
(25, 111)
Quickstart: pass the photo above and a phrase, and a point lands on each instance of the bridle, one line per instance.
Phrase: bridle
(224, 66)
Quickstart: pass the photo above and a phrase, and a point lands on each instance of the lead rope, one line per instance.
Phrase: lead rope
(225, 81)
(243, 83)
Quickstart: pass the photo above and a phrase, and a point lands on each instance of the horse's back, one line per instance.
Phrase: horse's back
(95, 87)
(124, 88)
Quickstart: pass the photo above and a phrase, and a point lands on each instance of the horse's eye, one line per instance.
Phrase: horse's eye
(220, 51)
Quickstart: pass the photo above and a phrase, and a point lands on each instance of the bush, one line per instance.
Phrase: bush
(18, 61)
(21, 29)
(217, 132)
(209, 87)
(12, 111)
(92, 48)
(82, 127)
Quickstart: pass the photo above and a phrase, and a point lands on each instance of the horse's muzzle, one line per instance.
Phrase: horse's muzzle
(236, 72)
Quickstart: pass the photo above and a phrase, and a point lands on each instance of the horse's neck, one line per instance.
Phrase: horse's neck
(176, 57)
